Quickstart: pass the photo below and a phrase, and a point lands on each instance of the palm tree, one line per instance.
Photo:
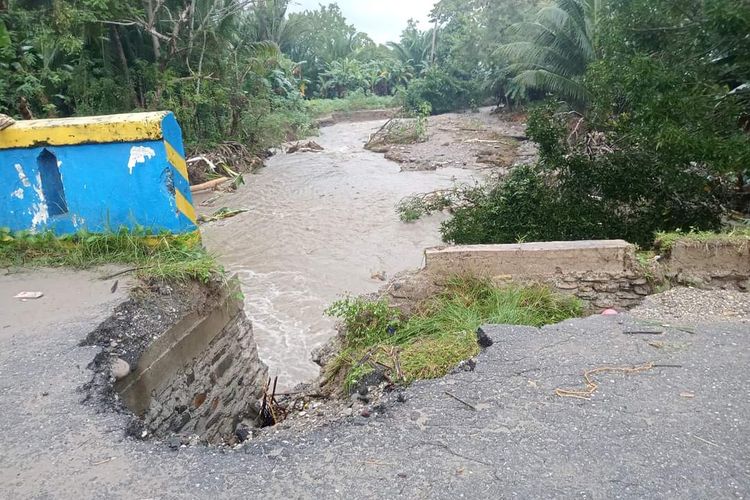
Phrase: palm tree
(414, 47)
(556, 49)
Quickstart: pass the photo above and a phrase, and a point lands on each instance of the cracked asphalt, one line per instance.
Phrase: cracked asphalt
(676, 429)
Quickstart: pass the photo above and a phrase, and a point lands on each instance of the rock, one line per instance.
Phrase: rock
(174, 442)
(120, 368)
(365, 412)
(347, 412)
(372, 379)
(467, 365)
(401, 397)
(243, 433)
(305, 147)
(380, 275)
(483, 339)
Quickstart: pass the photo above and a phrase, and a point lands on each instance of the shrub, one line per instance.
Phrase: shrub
(591, 190)
(443, 331)
(442, 90)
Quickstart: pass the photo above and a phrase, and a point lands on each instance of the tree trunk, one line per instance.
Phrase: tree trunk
(114, 33)
(151, 18)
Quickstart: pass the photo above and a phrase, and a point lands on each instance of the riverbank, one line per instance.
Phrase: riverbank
(318, 225)
(481, 141)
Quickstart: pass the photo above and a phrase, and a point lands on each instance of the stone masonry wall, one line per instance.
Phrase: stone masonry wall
(212, 394)
(604, 274)
(201, 377)
(604, 290)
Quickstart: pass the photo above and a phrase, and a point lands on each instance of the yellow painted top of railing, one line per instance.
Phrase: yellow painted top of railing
(124, 127)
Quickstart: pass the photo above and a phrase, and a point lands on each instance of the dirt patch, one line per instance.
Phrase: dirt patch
(478, 141)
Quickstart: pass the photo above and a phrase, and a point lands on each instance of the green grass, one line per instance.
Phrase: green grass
(153, 256)
(441, 333)
(355, 102)
(665, 241)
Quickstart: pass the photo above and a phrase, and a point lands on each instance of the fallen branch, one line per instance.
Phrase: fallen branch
(222, 213)
(209, 186)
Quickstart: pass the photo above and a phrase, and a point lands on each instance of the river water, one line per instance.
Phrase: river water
(318, 226)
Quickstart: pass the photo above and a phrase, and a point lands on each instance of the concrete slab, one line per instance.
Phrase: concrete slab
(531, 259)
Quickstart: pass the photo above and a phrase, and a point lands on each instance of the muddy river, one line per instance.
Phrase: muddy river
(318, 226)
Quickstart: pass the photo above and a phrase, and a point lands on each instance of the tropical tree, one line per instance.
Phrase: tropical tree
(414, 47)
(555, 49)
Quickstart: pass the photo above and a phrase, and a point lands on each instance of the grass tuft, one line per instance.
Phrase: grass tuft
(441, 333)
(163, 256)
(666, 241)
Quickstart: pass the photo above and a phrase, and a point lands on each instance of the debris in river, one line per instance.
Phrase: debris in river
(222, 213)
(209, 185)
(380, 275)
(227, 159)
(304, 147)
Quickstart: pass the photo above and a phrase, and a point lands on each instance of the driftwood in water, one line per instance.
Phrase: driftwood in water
(209, 186)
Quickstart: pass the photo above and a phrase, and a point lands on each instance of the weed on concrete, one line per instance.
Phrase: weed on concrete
(665, 241)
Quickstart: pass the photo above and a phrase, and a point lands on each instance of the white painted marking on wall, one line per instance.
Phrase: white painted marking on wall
(139, 154)
(40, 210)
(18, 193)
(22, 176)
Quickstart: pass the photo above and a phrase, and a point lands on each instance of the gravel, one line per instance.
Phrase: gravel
(692, 305)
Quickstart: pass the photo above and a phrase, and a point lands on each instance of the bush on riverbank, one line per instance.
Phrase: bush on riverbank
(441, 91)
(161, 256)
(591, 188)
(440, 334)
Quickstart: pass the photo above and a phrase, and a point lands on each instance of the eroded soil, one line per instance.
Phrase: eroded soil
(479, 141)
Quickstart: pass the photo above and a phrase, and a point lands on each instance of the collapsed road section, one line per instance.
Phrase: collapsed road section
(183, 360)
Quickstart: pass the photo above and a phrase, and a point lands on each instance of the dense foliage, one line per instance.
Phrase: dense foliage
(208, 60)
(660, 145)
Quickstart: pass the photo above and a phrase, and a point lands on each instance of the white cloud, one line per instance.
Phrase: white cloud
(383, 20)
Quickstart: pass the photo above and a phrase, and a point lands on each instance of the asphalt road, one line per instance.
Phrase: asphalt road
(675, 428)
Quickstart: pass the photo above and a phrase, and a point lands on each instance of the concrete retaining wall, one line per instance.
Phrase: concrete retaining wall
(530, 260)
(713, 264)
(202, 377)
(601, 273)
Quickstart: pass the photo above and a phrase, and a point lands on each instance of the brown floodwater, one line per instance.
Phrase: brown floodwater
(318, 226)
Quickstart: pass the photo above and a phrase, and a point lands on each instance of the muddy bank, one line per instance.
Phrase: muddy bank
(480, 141)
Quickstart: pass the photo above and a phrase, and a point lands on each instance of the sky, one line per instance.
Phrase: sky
(383, 20)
